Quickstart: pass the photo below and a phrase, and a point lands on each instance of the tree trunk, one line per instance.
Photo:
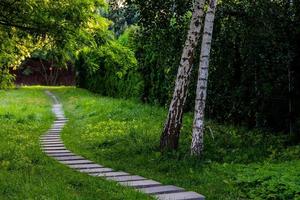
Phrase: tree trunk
(198, 124)
(170, 134)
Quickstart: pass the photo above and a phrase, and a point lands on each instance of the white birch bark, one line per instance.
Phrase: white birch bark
(170, 135)
(201, 92)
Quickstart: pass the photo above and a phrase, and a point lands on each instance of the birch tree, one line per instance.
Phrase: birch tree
(201, 92)
(170, 134)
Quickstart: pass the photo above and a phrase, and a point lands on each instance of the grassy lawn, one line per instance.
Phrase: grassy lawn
(27, 173)
(124, 135)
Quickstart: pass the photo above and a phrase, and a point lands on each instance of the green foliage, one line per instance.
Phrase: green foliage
(163, 27)
(53, 30)
(6, 78)
(252, 54)
(122, 15)
(110, 69)
(128, 38)
(280, 182)
(124, 135)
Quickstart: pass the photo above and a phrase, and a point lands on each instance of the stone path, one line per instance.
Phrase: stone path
(53, 146)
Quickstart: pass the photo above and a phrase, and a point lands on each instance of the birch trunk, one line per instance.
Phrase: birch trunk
(170, 135)
(201, 93)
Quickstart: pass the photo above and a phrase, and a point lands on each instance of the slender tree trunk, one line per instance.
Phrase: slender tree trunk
(198, 124)
(44, 72)
(170, 135)
(290, 79)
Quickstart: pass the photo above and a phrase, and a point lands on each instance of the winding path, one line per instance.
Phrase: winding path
(53, 146)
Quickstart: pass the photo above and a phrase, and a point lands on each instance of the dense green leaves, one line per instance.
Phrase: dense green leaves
(59, 27)
(254, 61)
(109, 69)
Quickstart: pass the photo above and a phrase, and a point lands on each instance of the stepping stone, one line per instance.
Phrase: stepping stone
(51, 143)
(55, 129)
(96, 170)
(51, 140)
(56, 151)
(140, 184)
(161, 189)
(64, 158)
(74, 162)
(111, 174)
(85, 166)
(54, 148)
(180, 196)
(126, 178)
(61, 154)
(53, 134)
(50, 137)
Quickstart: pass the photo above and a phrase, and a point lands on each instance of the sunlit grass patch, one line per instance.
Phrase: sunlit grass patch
(25, 171)
(124, 134)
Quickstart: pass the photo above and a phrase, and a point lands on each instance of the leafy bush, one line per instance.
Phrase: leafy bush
(6, 79)
(109, 70)
(128, 38)
(268, 182)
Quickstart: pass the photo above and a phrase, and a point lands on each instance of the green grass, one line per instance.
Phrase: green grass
(26, 172)
(123, 134)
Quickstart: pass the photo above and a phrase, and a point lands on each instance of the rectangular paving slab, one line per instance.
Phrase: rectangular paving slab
(51, 131)
(55, 129)
(68, 158)
(57, 151)
(50, 140)
(96, 170)
(50, 137)
(75, 162)
(85, 166)
(140, 184)
(180, 196)
(53, 134)
(54, 148)
(61, 154)
(110, 174)
(163, 189)
(52, 143)
(126, 178)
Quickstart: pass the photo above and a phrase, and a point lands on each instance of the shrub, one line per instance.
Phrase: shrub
(271, 181)
(6, 78)
(110, 70)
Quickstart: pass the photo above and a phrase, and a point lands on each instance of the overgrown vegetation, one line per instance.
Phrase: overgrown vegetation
(110, 69)
(131, 49)
(25, 171)
(253, 54)
(238, 163)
